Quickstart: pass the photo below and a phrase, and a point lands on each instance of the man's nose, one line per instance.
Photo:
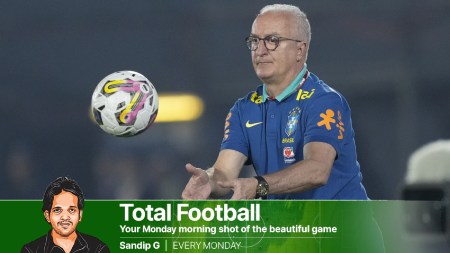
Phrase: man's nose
(65, 215)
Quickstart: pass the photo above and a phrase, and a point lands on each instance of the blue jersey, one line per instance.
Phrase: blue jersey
(272, 132)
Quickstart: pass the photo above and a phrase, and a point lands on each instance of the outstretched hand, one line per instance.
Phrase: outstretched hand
(198, 186)
(243, 188)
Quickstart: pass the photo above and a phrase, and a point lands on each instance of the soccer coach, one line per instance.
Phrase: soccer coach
(294, 129)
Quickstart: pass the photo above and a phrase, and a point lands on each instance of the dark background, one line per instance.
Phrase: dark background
(390, 59)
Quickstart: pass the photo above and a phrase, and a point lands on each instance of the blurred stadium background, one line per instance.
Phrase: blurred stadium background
(390, 59)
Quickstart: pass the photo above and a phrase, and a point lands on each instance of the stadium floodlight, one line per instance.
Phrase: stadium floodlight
(179, 107)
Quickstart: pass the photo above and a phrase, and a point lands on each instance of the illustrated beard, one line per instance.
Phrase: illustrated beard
(65, 228)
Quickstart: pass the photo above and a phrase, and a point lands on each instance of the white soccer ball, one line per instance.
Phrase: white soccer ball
(124, 103)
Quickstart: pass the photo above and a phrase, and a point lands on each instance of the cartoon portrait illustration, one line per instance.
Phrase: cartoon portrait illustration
(62, 207)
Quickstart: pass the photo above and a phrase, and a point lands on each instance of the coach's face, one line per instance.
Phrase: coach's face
(279, 65)
(64, 214)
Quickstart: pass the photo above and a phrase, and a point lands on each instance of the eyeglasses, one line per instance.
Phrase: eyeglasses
(271, 42)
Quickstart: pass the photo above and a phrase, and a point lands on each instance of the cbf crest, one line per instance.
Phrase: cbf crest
(292, 122)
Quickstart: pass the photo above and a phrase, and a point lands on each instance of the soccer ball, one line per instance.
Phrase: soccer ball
(124, 103)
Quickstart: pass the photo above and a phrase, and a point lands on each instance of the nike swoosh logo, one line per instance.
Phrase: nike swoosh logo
(248, 124)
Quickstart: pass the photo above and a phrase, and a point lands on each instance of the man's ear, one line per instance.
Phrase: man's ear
(81, 215)
(301, 47)
(47, 216)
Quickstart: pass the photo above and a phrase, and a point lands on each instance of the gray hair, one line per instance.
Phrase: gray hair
(302, 20)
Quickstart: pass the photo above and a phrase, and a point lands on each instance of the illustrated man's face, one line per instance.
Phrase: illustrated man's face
(64, 214)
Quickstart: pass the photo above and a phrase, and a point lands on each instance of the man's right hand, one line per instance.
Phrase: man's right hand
(199, 186)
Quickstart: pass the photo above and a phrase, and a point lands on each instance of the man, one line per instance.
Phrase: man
(63, 208)
(294, 129)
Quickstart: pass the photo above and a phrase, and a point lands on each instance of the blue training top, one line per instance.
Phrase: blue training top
(271, 132)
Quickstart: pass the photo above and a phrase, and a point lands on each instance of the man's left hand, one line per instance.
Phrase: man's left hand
(243, 188)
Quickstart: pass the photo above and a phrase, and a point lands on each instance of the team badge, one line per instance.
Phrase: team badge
(293, 117)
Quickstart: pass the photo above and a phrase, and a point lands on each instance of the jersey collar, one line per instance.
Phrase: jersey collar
(289, 90)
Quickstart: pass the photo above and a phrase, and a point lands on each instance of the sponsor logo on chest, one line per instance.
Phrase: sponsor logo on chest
(288, 154)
